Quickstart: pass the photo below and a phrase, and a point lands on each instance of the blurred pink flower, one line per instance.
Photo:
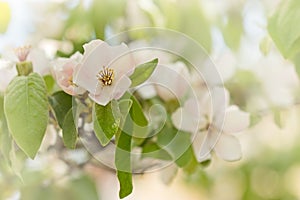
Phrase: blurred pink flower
(63, 70)
(104, 71)
(213, 124)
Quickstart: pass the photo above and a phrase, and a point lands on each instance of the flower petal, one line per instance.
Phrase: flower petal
(228, 148)
(188, 118)
(104, 97)
(235, 120)
(89, 47)
(122, 60)
(105, 94)
(121, 87)
(171, 80)
(201, 146)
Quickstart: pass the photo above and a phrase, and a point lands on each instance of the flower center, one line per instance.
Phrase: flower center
(70, 81)
(106, 76)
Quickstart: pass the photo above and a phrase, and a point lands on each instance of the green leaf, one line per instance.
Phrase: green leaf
(137, 114)
(69, 130)
(26, 109)
(143, 72)
(179, 16)
(277, 117)
(126, 187)
(5, 139)
(123, 160)
(233, 30)
(106, 121)
(139, 120)
(83, 188)
(61, 103)
(50, 83)
(176, 143)
(152, 150)
(284, 28)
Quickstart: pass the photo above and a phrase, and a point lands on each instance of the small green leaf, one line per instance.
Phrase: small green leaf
(152, 150)
(123, 160)
(69, 130)
(50, 83)
(284, 28)
(26, 110)
(125, 105)
(233, 30)
(277, 117)
(176, 143)
(125, 179)
(61, 103)
(106, 121)
(143, 72)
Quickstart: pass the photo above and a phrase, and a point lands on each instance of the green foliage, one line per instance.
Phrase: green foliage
(153, 150)
(106, 121)
(182, 15)
(69, 128)
(143, 72)
(284, 28)
(176, 143)
(5, 139)
(123, 159)
(25, 104)
(233, 30)
(83, 188)
(126, 187)
(139, 119)
(61, 103)
(50, 83)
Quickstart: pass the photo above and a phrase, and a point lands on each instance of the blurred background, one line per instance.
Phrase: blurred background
(234, 34)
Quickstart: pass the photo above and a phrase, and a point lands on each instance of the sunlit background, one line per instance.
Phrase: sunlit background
(235, 35)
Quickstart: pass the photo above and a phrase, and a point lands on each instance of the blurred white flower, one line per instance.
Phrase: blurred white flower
(63, 70)
(213, 124)
(104, 71)
(279, 79)
(7, 73)
(171, 81)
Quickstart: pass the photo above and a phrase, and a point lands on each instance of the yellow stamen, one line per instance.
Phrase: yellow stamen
(106, 76)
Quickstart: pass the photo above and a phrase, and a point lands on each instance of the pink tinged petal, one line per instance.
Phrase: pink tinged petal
(187, 118)
(235, 120)
(228, 148)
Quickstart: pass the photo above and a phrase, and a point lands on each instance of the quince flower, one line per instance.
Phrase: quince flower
(63, 69)
(104, 71)
(214, 126)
